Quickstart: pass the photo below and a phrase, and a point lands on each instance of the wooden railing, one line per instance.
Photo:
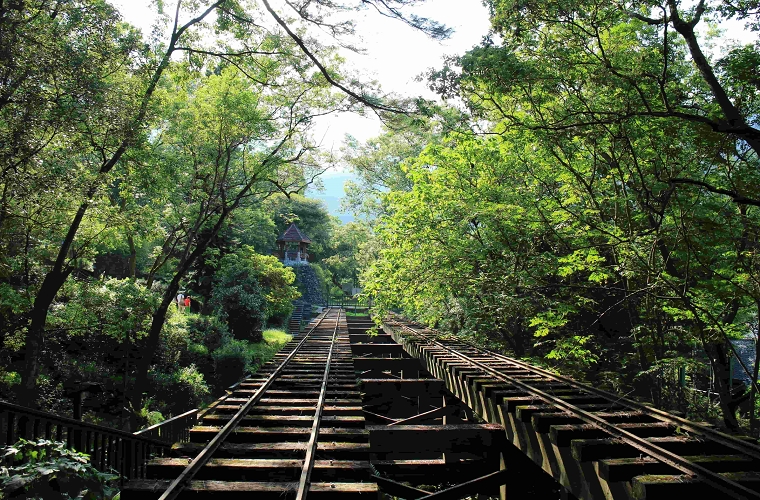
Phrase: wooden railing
(108, 448)
(173, 430)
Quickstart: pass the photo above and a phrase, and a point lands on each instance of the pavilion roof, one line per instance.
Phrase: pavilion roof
(293, 234)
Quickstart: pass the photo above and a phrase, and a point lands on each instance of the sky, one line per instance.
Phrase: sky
(394, 54)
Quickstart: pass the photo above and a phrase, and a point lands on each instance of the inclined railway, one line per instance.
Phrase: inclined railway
(637, 451)
(343, 411)
(264, 438)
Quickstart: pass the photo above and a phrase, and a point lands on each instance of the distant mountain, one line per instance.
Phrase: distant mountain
(332, 194)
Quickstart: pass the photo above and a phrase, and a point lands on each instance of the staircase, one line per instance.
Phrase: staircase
(294, 325)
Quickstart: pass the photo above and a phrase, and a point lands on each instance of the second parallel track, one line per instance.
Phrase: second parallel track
(615, 416)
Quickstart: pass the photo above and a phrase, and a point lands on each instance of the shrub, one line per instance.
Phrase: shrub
(176, 388)
(230, 361)
(47, 470)
(207, 330)
(237, 357)
(250, 288)
(192, 380)
(238, 299)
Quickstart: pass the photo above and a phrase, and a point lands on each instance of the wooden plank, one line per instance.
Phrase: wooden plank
(437, 471)
(438, 412)
(667, 487)
(374, 339)
(563, 435)
(587, 450)
(361, 349)
(407, 387)
(152, 486)
(311, 448)
(624, 469)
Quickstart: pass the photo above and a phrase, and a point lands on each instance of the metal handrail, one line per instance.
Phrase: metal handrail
(108, 448)
(5, 406)
(172, 430)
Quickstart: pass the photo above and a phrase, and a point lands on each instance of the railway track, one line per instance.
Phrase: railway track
(596, 444)
(294, 429)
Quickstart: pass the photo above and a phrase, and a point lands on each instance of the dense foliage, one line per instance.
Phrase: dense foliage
(598, 208)
(44, 470)
(134, 168)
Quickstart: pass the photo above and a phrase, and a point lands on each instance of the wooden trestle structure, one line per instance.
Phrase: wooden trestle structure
(597, 445)
(343, 412)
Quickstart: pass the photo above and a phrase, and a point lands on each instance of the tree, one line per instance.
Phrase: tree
(67, 87)
(98, 111)
(249, 289)
(566, 247)
(236, 143)
(346, 244)
(237, 298)
(378, 163)
(311, 217)
(108, 146)
(639, 144)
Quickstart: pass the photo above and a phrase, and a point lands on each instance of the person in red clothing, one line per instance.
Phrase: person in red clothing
(187, 303)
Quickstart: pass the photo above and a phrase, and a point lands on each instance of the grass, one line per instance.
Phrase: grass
(276, 336)
(261, 352)
(360, 313)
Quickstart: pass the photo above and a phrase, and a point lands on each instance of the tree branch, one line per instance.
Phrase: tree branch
(736, 197)
(322, 69)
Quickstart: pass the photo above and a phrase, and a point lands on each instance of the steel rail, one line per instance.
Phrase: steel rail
(176, 487)
(748, 448)
(676, 461)
(311, 448)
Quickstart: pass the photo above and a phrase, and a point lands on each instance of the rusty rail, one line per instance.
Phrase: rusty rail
(311, 448)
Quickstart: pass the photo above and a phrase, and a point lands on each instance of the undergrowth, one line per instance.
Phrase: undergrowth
(46, 470)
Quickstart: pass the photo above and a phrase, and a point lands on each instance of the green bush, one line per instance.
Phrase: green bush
(202, 335)
(238, 298)
(249, 288)
(237, 357)
(177, 387)
(197, 349)
(192, 380)
(230, 361)
(47, 470)
(207, 330)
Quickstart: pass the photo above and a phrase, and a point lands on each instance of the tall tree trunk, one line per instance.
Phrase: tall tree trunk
(735, 119)
(142, 366)
(51, 284)
(720, 360)
(132, 256)
(27, 391)
(57, 276)
(753, 391)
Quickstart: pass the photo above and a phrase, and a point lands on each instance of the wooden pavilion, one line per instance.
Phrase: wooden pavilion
(292, 247)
